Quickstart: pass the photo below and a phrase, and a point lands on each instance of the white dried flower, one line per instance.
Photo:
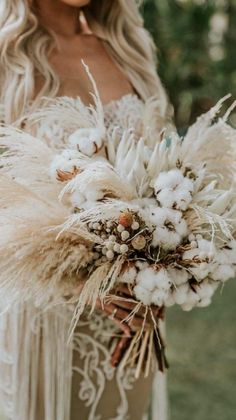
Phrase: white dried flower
(141, 264)
(201, 271)
(187, 306)
(162, 279)
(67, 161)
(144, 295)
(227, 255)
(147, 278)
(178, 276)
(192, 297)
(204, 302)
(172, 189)
(87, 140)
(180, 294)
(159, 297)
(223, 272)
(169, 301)
(205, 289)
(128, 276)
(205, 250)
(170, 229)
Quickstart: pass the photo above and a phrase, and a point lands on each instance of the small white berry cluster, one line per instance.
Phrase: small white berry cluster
(125, 236)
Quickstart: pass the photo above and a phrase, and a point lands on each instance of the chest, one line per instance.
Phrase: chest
(67, 63)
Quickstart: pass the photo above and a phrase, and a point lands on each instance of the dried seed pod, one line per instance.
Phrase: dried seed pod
(124, 248)
(64, 176)
(126, 219)
(110, 245)
(120, 228)
(104, 250)
(116, 247)
(125, 235)
(135, 225)
(139, 242)
(110, 254)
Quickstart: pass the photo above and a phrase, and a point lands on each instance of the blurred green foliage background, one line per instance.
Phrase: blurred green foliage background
(196, 42)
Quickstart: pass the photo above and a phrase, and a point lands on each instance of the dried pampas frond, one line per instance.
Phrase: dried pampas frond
(35, 263)
(71, 113)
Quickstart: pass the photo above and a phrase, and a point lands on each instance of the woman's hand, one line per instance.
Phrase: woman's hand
(119, 309)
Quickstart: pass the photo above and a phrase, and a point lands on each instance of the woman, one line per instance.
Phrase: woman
(42, 43)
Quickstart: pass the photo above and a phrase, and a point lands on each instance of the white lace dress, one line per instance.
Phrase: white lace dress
(44, 378)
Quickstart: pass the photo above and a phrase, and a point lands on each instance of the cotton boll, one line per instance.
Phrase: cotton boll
(227, 255)
(170, 227)
(128, 275)
(169, 301)
(63, 162)
(187, 184)
(86, 147)
(190, 254)
(204, 303)
(182, 228)
(201, 271)
(162, 279)
(168, 179)
(178, 276)
(156, 215)
(207, 248)
(187, 307)
(182, 198)
(172, 189)
(141, 264)
(166, 238)
(179, 199)
(166, 198)
(158, 297)
(180, 294)
(142, 294)
(77, 199)
(205, 290)
(87, 140)
(192, 297)
(223, 272)
(147, 278)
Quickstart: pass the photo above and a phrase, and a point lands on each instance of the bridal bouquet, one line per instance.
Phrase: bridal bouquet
(156, 213)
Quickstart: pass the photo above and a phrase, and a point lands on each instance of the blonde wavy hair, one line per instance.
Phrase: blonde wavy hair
(25, 47)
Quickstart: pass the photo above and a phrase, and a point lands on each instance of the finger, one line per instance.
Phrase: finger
(111, 309)
(130, 306)
(124, 289)
(124, 303)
